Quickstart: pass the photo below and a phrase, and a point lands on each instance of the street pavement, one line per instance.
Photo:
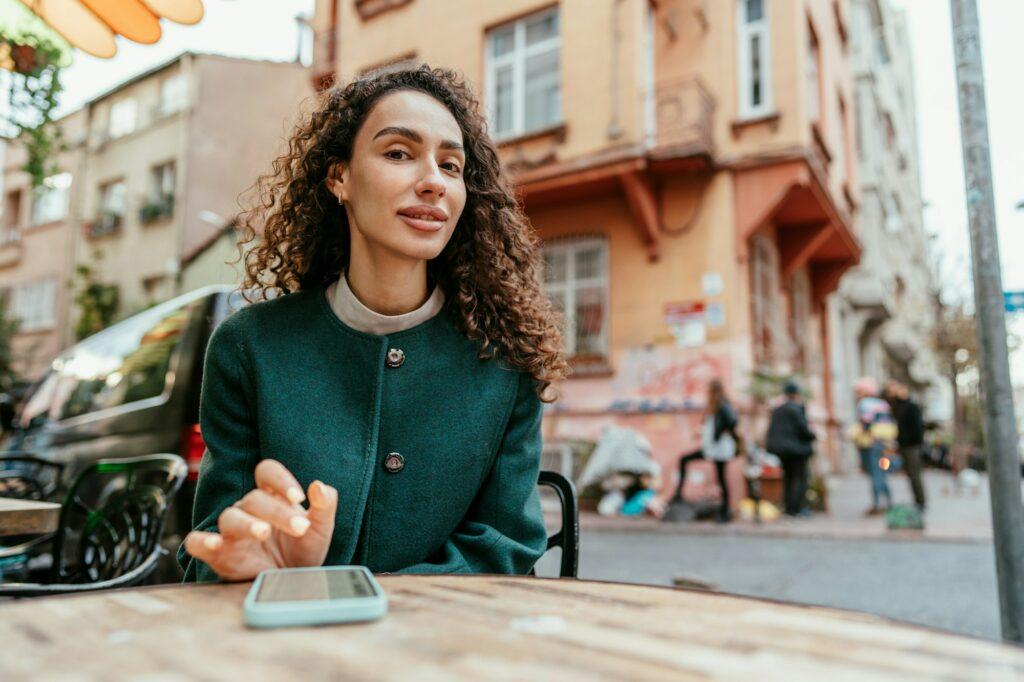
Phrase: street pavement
(943, 577)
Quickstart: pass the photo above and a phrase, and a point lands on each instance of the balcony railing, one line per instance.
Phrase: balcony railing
(105, 223)
(683, 117)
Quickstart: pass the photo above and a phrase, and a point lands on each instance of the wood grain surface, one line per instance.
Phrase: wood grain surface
(482, 628)
(23, 517)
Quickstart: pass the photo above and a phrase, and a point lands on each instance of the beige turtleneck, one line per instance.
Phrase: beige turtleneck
(352, 312)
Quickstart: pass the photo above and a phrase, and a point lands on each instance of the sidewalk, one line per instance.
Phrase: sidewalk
(951, 516)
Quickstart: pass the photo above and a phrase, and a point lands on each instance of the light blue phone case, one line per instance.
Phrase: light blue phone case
(314, 612)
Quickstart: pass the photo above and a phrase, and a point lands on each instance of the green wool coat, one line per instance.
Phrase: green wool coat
(286, 379)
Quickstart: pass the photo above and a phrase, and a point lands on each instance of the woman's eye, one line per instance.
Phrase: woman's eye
(394, 151)
(454, 167)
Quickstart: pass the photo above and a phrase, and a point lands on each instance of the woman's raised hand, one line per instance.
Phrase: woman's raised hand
(268, 528)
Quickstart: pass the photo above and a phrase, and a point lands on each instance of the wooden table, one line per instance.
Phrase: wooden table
(483, 627)
(26, 517)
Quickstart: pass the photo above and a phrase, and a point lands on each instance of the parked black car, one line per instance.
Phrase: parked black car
(132, 389)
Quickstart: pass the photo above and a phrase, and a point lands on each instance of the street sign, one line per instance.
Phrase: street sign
(1014, 301)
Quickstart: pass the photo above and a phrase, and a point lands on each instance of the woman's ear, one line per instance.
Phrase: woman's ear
(336, 181)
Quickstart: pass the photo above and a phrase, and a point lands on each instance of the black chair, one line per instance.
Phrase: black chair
(25, 476)
(110, 526)
(568, 537)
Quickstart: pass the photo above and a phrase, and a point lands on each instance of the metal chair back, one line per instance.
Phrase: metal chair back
(26, 476)
(113, 516)
(568, 537)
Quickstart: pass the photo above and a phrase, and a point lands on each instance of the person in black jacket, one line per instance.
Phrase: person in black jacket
(910, 422)
(791, 440)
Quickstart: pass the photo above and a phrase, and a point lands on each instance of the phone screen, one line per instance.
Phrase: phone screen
(314, 585)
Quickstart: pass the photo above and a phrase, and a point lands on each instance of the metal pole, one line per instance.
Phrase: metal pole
(996, 392)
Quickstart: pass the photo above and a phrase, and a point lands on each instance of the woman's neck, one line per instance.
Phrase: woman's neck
(394, 287)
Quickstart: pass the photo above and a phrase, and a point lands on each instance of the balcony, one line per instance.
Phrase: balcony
(105, 223)
(683, 117)
(868, 292)
(11, 247)
(157, 209)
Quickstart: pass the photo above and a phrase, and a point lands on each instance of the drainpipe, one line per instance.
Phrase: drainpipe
(614, 128)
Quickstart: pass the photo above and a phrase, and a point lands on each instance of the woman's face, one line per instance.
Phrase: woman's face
(403, 188)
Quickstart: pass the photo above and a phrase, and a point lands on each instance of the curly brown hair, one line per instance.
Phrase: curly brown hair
(489, 269)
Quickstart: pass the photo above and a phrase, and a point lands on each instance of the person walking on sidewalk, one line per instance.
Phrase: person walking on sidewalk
(873, 430)
(718, 444)
(791, 440)
(910, 423)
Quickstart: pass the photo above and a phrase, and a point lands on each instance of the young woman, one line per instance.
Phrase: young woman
(396, 385)
(718, 444)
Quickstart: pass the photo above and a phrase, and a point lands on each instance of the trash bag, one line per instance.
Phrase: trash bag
(619, 450)
(904, 517)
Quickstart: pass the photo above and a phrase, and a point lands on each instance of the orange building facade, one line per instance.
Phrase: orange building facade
(689, 167)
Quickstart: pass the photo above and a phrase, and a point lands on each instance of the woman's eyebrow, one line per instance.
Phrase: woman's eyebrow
(415, 137)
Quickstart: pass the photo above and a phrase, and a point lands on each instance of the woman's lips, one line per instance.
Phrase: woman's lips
(422, 225)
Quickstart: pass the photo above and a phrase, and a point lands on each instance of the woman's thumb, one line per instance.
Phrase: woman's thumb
(323, 503)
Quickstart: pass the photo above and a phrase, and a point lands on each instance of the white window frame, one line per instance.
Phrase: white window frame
(812, 76)
(51, 201)
(159, 186)
(171, 104)
(107, 197)
(568, 288)
(34, 305)
(745, 32)
(517, 59)
(124, 116)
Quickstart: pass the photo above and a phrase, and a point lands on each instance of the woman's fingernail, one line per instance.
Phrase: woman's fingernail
(299, 524)
(295, 495)
(212, 541)
(260, 529)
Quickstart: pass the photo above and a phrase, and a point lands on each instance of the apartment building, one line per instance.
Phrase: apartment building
(886, 312)
(169, 152)
(689, 166)
(37, 240)
(147, 191)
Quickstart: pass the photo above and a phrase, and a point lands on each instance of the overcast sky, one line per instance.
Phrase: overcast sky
(270, 33)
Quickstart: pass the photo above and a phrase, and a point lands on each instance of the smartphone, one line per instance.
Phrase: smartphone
(313, 596)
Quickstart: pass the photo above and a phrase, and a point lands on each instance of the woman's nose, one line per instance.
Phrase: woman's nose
(432, 181)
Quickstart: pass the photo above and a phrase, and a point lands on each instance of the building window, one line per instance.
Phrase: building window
(122, 118)
(113, 203)
(576, 280)
(845, 155)
(892, 213)
(160, 200)
(173, 94)
(812, 76)
(524, 82)
(769, 330)
(161, 182)
(754, 59)
(800, 319)
(33, 303)
(50, 201)
(12, 217)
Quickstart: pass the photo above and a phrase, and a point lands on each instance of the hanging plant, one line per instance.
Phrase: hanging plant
(35, 56)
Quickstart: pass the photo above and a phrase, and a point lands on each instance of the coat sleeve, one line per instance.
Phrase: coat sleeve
(503, 531)
(226, 417)
(804, 429)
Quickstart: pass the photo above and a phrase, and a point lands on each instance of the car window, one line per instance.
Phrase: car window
(39, 401)
(124, 364)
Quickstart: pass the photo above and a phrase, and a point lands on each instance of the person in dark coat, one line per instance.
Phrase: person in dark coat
(790, 438)
(910, 422)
